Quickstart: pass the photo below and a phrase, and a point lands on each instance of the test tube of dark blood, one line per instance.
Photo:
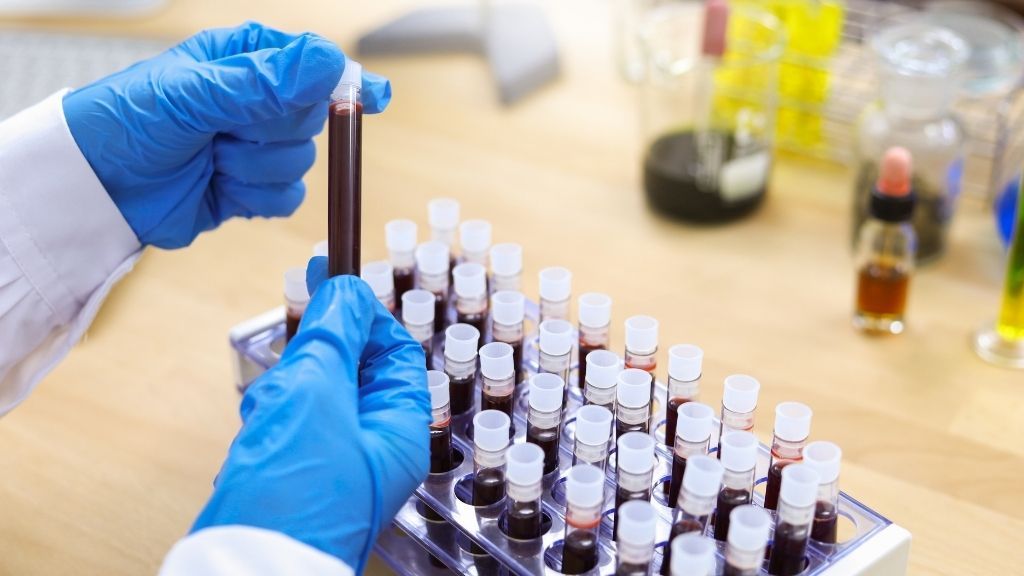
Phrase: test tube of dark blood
(432, 260)
(701, 482)
(692, 555)
(603, 369)
(506, 267)
(737, 481)
(296, 297)
(543, 422)
(739, 401)
(635, 541)
(508, 311)
(696, 421)
(490, 439)
(595, 316)
(684, 369)
(633, 402)
(524, 470)
(555, 355)
(593, 429)
(749, 530)
(642, 345)
(555, 293)
(825, 458)
(584, 495)
(440, 429)
(344, 172)
(498, 385)
(471, 295)
(795, 517)
(634, 461)
(418, 319)
(792, 427)
(460, 360)
(380, 277)
(400, 237)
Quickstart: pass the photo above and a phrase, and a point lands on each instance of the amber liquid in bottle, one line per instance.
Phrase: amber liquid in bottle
(882, 291)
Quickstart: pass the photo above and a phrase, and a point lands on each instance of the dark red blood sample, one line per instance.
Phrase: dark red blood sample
(524, 520)
(547, 439)
(460, 390)
(731, 570)
(477, 320)
(291, 325)
(675, 483)
(502, 403)
(826, 525)
(728, 499)
(344, 187)
(771, 491)
(404, 281)
(579, 552)
(672, 418)
(681, 527)
(627, 569)
(488, 487)
(517, 359)
(440, 449)
(624, 428)
(585, 349)
(789, 547)
(440, 312)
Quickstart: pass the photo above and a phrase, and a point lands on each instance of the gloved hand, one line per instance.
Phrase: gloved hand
(219, 126)
(335, 437)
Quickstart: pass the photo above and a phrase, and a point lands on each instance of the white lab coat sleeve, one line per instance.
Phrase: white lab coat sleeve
(63, 245)
(247, 551)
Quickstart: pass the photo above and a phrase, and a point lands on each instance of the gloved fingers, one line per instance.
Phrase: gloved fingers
(316, 273)
(301, 125)
(220, 42)
(376, 93)
(263, 163)
(231, 197)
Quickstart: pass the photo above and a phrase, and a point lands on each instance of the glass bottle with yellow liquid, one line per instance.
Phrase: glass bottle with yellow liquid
(1003, 342)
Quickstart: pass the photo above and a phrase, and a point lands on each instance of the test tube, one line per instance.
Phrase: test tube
(696, 421)
(796, 514)
(506, 267)
(460, 344)
(490, 439)
(603, 369)
(593, 429)
(344, 172)
(555, 293)
(692, 555)
(475, 241)
(633, 401)
(432, 269)
(555, 355)
(545, 417)
(642, 347)
(636, 539)
(441, 417)
(749, 528)
(824, 458)
(739, 401)
(296, 298)
(380, 276)
(498, 377)
(584, 494)
(443, 214)
(400, 238)
(684, 369)
(471, 295)
(737, 480)
(320, 248)
(792, 427)
(595, 317)
(418, 319)
(508, 311)
(701, 483)
(524, 470)
(635, 462)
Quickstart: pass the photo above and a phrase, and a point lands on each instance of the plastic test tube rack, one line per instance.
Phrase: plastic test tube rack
(876, 547)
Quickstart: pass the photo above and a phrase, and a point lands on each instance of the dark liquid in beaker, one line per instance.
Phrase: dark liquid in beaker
(440, 449)
(826, 526)
(547, 439)
(728, 499)
(488, 486)
(789, 546)
(579, 552)
(344, 187)
(461, 393)
(681, 527)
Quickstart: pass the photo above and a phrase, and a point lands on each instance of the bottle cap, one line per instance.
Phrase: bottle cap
(432, 257)
(295, 285)
(637, 522)
(380, 276)
(799, 484)
(894, 174)
(546, 392)
(593, 425)
(460, 342)
(555, 284)
(320, 248)
(792, 421)
(507, 259)
(741, 454)
(635, 452)
(443, 213)
(437, 382)
(684, 362)
(400, 235)
(694, 554)
(825, 458)
(475, 236)
(555, 337)
(524, 464)
(716, 22)
(749, 527)
(740, 393)
(584, 486)
(634, 388)
(496, 361)
(920, 68)
(696, 421)
(490, 430)
(351, 75)
(470, 280)
(703, 476)
(603, 369)
(508, 307)
(595, 309)
(417, 307)
(641, 334)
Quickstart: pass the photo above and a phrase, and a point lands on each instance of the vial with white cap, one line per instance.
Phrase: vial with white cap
(440, 418)
(432, 275)
(692, 555)
(739, 401)
(593, 429)
(696, 422)
(792, 428)
(443, 215)
(471, 295)
(738, 461)
(555, 356)
(344, 172)
(603, 369)
(555, 293)
(524, 471)
(701, 483)
(296, 298)
(506, 267)
(634, 460)
(508, 312)
(475, 241)
(380, 276)
(460, 346)
(684, 370)
(497, 377)
(749, 528)
(642, 345)
(824, 458)
(490, 440)
(635, 540)
(633, 402)
(595, 319)
(793, 524)
(320, 248)
(545, 416)
(418, 319)
(400, 238)
(584, 495)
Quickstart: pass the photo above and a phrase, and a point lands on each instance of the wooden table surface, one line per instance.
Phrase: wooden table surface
(107, 464)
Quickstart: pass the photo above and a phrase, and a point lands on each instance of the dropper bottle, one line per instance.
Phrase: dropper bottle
(508, 312)
(498, 378)
(344, 172)
(824, 458)
(701, 483)
(471, 295)
(739, 401)
(418, 319)
(400, 238)
(595, 317)
(433, 275)
(584, 494)
(296, 298)
(603, 369)
(506, 267)
(738, 461)
(555, 293)
(545, 417)
(380, 276)
(593, 429)
(443, 214)
(634, 461)
(792, 427)
(524, 471)
(693, 438)
(796, 514)
(490, 439)
(684, 369)
(633, 402)
(749, 528)
(636, 539)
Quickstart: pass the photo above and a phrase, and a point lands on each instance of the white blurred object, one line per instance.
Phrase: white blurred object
(77, 7)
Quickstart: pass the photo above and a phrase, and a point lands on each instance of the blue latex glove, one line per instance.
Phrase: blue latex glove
(219, 126)
(335, 437)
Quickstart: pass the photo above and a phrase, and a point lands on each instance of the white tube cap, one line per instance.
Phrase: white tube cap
(508, 307)
(555, 283)
(595, 309)
(320, 248)
(641, 334)
(555, 337)
(380, 276)
(418, 307)
(524, 464)
(703, 476)
(634, 388)
(693, 554)
(825, 458)
(593, 425)
(740, 393)
(400, 235)
(637, 522)
(684, 362)
(635, 452)
(351, 75)
(432, 257)
(475, 236)
(490, 430)
(799, 484)
(295, 285)
(460, 342)
(506, 259)
(584, 486)
(749, 527)
(470, 280)
(437, 382)
(603, 369)
(496, 361)
(696, 422)
(792, 421)
(739, 451)
(443, 213)
(546, 392)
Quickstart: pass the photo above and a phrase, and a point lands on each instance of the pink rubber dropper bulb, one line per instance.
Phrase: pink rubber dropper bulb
(716, 21)
(894, 175)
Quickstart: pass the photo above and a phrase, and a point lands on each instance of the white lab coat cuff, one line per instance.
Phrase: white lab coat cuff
(238, 550)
